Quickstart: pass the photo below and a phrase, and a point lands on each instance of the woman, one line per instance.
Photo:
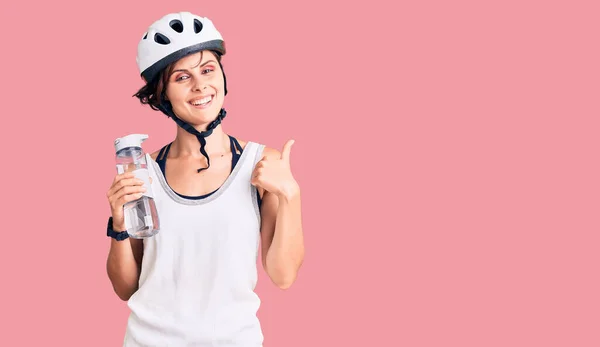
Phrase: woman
(217, 198)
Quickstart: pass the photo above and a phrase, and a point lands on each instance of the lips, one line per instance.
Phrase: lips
(202, 102)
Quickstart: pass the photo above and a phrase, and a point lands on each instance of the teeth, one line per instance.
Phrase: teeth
(202, 101)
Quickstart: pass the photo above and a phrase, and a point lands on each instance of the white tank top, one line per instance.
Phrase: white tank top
(199, 271)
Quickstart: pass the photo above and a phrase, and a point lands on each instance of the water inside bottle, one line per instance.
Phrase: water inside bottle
(141, 217)
(125, 166)
(130, 159)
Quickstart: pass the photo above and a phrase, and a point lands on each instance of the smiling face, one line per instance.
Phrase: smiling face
(195, 88)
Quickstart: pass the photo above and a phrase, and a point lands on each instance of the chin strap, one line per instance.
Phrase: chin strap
(166, 108)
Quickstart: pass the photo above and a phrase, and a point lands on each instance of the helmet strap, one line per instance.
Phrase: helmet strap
(224, 78)
(167, 109)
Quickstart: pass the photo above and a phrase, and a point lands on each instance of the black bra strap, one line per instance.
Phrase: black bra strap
(237, 145)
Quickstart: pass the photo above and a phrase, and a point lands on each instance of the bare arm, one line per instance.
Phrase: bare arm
(124, 261)
(124, 265)
(281, 227)
(282, 237)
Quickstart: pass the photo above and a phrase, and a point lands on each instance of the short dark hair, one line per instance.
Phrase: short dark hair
(153, 92)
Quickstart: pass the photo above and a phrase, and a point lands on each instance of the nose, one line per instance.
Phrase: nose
(199, 85)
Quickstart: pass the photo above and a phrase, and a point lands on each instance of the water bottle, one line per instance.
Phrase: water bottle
(141, 217)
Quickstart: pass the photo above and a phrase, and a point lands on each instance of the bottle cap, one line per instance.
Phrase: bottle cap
(132, 140)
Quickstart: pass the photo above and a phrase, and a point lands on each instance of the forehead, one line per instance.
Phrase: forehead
(193, 59)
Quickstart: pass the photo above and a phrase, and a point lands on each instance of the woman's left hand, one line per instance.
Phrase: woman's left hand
(274, 174)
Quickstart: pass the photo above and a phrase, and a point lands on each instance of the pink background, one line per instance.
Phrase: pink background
(447, 154)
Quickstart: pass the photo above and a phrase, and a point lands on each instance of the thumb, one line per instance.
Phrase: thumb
(287, 148)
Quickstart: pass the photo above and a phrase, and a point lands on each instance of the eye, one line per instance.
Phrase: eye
(181, 78)
(207, 70)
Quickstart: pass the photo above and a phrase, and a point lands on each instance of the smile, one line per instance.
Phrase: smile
(202, 102)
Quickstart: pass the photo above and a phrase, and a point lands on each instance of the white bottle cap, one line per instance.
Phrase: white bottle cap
(133, 140)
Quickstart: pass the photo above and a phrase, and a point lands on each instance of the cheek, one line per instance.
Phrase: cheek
(217, 82)
(176, 95)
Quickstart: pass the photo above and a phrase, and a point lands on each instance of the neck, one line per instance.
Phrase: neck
(187, 145)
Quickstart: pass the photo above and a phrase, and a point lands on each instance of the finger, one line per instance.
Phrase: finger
(118, 187)
(259, 165)
(129, 190)
(255, 180)
(124, 175)
(129, 182)
(128, 198)
(120, 178)
(255, 174)
(287, 148)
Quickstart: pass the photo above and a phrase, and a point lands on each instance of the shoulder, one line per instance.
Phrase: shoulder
(268, 152)
(155, 155)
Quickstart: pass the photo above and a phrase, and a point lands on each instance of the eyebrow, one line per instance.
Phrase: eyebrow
(184, 70)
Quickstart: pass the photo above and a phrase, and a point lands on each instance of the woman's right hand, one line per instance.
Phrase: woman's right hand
(125, 188)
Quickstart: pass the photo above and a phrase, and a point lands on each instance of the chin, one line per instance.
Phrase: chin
(200, 117)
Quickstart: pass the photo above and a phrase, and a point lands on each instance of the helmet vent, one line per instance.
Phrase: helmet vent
(176, 25)
(197, 26)
(161, 39)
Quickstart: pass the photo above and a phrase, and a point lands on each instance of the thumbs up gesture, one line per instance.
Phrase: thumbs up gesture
(273, 173)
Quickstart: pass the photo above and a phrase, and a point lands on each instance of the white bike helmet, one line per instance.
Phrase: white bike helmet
(174, 36)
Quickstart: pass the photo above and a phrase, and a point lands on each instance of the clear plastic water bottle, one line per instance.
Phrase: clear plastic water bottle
(141, 216)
